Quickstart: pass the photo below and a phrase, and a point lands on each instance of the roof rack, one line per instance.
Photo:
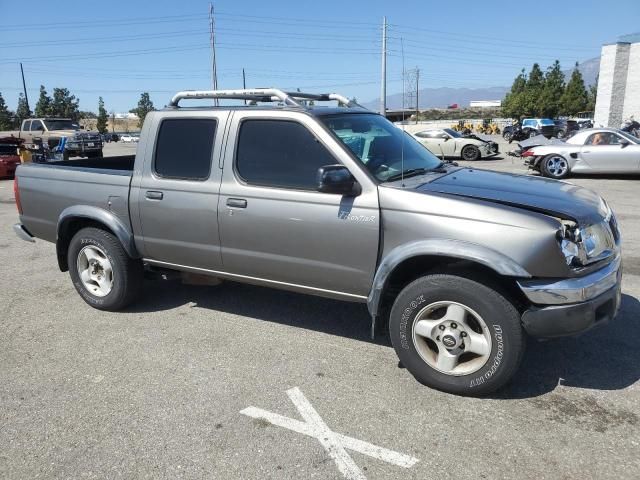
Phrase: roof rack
(264, 95)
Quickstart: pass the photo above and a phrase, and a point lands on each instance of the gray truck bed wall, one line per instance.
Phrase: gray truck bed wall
(47, 190)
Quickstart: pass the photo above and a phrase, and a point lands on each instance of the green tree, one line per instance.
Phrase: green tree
(22, 111)
(6, 116)
(145, 105)
(549, 102)
(575, 98)
(592, 94)
(64, 104)
(102, 116)
(512, 106)
(533, 92)
(43, 107)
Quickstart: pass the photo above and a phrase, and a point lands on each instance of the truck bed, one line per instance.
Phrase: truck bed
(47, 189)
(122, 163)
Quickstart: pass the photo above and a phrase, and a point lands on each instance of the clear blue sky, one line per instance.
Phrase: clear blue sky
(121, 48)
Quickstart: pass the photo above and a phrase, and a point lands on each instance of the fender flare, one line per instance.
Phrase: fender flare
(97, 214)
(488, 257)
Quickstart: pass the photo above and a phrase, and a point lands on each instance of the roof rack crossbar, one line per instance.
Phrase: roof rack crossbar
(262, 95)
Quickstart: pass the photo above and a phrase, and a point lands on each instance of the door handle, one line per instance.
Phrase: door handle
(153, 195)
(236, 202)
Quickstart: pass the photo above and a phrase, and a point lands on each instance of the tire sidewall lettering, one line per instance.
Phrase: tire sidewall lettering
(492, 366)
(409, 313)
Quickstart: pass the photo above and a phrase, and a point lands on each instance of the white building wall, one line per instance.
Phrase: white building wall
(632, 91)
(612, 83)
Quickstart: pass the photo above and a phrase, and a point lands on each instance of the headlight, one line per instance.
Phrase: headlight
(582, 246)
(571, 252)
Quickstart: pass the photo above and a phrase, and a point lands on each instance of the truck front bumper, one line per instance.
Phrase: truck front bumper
(570, 306)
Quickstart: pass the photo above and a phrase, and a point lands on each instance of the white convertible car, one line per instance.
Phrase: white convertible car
(446, 142)
(596, 150)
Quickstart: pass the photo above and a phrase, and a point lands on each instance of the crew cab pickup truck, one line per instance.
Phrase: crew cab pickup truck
(460, 264)
(48, 132)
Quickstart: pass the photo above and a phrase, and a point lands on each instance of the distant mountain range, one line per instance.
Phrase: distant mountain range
(444, 96)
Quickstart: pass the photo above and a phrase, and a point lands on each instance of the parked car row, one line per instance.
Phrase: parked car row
(531, 127)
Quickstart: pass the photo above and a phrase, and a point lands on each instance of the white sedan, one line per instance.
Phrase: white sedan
(446, 142)
(129, 138)
(596, 150)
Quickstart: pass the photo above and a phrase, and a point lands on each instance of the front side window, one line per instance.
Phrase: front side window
(36, 126)
(184, 148)
(280, 153)
(384, 149)
(603, 138)
(26, 126)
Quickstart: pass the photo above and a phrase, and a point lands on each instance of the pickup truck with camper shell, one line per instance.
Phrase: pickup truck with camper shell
(459, 264)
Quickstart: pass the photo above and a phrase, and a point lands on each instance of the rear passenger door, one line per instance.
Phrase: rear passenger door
(177, 190)
(276, 226)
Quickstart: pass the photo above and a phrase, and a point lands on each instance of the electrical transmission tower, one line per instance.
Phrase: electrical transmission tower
(411, 87)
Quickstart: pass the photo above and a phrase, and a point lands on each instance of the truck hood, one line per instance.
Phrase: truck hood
(552, 197)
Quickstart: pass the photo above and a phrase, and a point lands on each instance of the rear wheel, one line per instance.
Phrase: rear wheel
(102, 272)
(470, 153)
(456, 335)
(555, 166)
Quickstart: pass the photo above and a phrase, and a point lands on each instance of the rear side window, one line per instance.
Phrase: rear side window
(184, 148)
(280, 153)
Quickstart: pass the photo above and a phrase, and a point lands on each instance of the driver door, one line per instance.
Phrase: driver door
(612, 157)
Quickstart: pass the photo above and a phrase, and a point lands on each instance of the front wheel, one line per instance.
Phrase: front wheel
(470, 153)
(555, 166)
(456, 335)
(101, 270)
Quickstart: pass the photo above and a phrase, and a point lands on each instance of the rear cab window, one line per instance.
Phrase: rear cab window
(184, 148)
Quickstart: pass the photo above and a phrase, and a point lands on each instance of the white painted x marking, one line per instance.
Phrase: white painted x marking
(334, 443)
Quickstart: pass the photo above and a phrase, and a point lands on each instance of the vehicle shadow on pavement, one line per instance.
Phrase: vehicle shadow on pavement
(605, 358)
(345, 319)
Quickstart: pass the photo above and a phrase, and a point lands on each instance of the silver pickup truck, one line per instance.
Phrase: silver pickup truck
(459, 264)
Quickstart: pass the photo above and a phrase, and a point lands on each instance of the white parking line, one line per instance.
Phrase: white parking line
(334, 443)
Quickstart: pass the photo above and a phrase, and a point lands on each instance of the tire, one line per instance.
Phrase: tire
(560, 134)
(533, 133)
(470, 153)
(555, 166)
(421, 307)
(126, 275)
(507, 136)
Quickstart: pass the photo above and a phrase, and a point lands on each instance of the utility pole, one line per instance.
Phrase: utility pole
(383, 89)
(212, 37)
(24, 86)
(417, 90)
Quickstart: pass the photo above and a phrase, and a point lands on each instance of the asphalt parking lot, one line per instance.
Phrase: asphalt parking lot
(172, 387)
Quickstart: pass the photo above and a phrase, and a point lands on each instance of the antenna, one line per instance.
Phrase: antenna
(212, 38)
(403, 132)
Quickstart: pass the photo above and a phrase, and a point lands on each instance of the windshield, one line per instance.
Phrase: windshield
(379, 145)
(61, 125)
(453, 133)
(629, 137)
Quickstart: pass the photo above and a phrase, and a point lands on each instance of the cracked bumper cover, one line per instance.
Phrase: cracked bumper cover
(571, 306)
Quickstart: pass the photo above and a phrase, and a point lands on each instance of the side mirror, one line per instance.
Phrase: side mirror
(445, 138)
(337, 179)
(624, 144)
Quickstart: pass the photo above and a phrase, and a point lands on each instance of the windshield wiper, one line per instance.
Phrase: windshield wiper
(412, 172)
